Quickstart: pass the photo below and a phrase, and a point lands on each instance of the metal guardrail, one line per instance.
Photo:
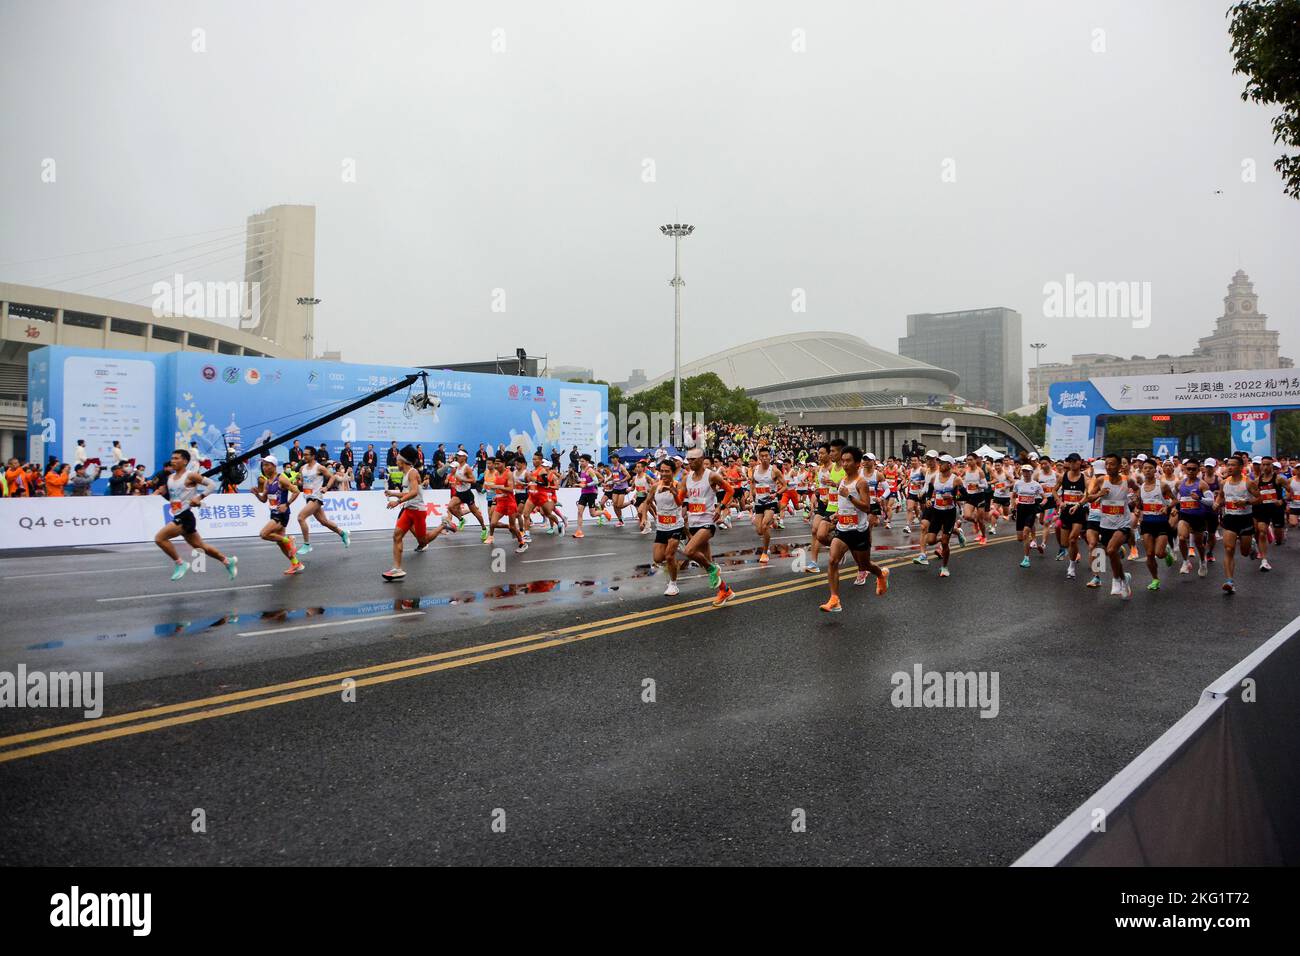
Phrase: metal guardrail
(1220, 788)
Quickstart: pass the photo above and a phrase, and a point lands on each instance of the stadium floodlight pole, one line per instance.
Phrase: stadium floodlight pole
(1038, 364)
(678, 231)
(311, 304)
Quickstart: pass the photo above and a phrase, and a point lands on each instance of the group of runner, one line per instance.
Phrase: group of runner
(1103, 509)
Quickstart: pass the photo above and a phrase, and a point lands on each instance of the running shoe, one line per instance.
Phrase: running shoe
(619, 524)
(993, 530)
(861, 579)
(1060, 555)
(579, 534)
(961, 538)
(1069, 572)
(646, 530)
(1229, 587)
(1025, 562)
(347, 538)
(1154, 585)
(484, 536)
(305, 549)
(982, 540)
(762, 558)
(1169, 559)
(1126, 586)
(882, 582)
(393, 574)
(600, 522)
(1115, 586)
(921, 559)
(1209, 559)
(296, 568)
(232, 567)
(421, 548)
(550, 529)
(1185, 568)
(811, 568)
(1094, 581)
(943, 573)
(1265, 566)
(725, 594)
(715, 576)
(461, 523)
(1200, 570)
(1132, 552)
(522, 548)
(178, 572)
(672, 590)
(832, 606)
(907, 529)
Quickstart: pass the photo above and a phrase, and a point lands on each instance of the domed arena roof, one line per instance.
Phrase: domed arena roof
(806, 358)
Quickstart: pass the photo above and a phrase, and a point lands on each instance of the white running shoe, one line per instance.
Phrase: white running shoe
(1114, 587)
(1200, 570)
(1069, 572)
(1126, 589)
(1185, 568)
(672, 590)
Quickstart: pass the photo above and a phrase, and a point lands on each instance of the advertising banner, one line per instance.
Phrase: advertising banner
(1252, 432)
(154, 402)
(100, 520)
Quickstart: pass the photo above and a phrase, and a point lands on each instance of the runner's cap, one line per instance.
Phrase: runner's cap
(1033, 456)
(272, 459)
(871, 456)
(947, 458)
(1212, 462)
(1026, 467)
(460, 454)
(1099, 467)
(931, 454)
(1140, 458)
(1257, 460)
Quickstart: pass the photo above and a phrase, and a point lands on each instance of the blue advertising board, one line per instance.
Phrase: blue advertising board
(155, 402)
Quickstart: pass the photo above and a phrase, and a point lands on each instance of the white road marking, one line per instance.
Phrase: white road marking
(308, 627)
(141, 597)
(572, 557)
(49, 574)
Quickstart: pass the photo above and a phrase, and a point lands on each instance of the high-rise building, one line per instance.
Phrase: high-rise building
(1241, 340)
(280, 257)
(981, 345)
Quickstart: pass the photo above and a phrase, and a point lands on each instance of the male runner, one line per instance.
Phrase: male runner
(852, 531)
(412, 514)
(186, 489)
(313, 477)
(275, 489)
(1238, 497)
(697, 489)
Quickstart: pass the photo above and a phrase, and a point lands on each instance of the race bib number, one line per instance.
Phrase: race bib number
(943, 501)
(1112, 509)
(696, 507)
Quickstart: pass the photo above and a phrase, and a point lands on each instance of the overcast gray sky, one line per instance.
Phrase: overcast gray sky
(524, 169)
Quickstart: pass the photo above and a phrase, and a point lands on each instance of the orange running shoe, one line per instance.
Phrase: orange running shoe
(296, 568)
(882, 582)
(578, 534)
(725, 594)
(762, 558)
(833, 605)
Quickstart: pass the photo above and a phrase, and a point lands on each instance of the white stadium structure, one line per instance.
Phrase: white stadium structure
(845, 387)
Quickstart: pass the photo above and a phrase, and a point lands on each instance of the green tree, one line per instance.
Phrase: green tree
(1035, 425)
(1266, 48)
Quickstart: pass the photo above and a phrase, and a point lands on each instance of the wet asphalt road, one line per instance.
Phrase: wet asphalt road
(505, 716)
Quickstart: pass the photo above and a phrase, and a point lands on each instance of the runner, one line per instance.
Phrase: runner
(852, 531)
(1270, 518)
(1214, 482)
(412, 514)
(825, 498)
(460, 482)
(499, 482)
(1047, 476)
(186, 489)
(1073, 489)
(976, 494)
(940, 514)
(313, 477)
(1028, 494)
(767, 483)
(1193, 493)
(703, 511)
(1158, 500)
(1000, 480)
(1238, 497)
(1110, 491)
(662, 510)
(275, 489)
(588, 483)
(916, 482)
(641, 479)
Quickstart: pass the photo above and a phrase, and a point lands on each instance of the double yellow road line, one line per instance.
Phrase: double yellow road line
(65, 736)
